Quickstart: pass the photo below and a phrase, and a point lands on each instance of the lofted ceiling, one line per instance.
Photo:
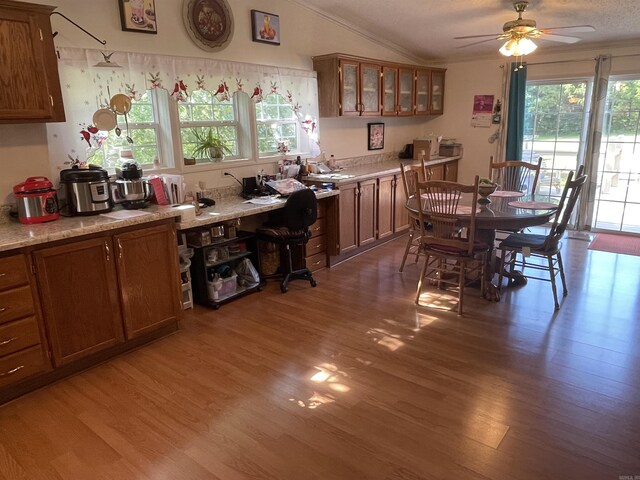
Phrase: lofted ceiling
(425, 29)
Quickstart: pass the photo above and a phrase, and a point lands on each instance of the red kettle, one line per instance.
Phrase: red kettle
(37, 200)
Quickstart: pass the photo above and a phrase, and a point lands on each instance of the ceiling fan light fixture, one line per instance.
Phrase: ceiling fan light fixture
(518, 47)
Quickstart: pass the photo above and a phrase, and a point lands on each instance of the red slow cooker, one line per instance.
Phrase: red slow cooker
(37, 200)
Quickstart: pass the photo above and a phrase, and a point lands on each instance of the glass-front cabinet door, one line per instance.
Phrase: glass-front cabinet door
(349, 78)
(405, 92)
(437, 92)
(389, 91)
(423, 78)
(370, 89)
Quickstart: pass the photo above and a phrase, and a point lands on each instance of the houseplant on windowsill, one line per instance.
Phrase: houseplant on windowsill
(209, 145)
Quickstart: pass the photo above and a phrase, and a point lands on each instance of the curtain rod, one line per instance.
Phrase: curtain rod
(582, 59)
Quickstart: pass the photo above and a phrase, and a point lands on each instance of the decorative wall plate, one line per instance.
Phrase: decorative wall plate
(209, 23)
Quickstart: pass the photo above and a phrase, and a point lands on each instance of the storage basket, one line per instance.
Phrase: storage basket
(228, 286)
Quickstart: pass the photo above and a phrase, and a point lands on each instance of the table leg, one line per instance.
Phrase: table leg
(491, 292)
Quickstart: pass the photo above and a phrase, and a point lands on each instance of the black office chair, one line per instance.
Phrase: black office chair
(289, 227)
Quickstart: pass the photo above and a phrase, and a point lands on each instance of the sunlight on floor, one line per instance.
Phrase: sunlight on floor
(385, 338)
(423, 320)
(316, 400)
(330, 376)
(439, 300)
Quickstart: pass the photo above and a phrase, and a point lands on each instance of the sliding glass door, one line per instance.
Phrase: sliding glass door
(617, 205)
(555, 130)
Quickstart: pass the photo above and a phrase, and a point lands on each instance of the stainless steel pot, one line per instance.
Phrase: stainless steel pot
(133, 193)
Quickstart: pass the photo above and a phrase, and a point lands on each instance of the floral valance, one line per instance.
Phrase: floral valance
(88, 82)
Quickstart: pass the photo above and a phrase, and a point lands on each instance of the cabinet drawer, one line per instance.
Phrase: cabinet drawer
(22, 365)
(317, 228)
(17, 335)
(317, 261)
(322, 209)
(316, 245)
(13, 272)
(16, 303)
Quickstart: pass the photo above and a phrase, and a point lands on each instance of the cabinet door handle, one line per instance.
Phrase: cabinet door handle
(317, 263)
(106, 249)
(7, 341)
(12, 371)
(51, 99)
(3, 309)
(3, 275)
(119, 250)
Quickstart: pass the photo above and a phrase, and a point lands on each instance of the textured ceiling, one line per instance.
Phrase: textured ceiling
(424, 29)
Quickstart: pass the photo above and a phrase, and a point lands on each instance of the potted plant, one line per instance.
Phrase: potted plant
(209, 145)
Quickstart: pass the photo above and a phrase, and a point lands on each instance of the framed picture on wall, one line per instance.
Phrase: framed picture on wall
(138, 16)
(265, 27)
(376, 136)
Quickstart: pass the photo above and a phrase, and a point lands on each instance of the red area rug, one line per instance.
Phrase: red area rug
(625, 244)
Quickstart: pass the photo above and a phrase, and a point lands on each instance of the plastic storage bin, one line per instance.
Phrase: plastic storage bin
(229, 286)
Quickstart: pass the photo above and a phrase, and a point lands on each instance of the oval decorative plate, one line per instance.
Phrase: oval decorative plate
(104, 119)
(209, 23)
(120, 103)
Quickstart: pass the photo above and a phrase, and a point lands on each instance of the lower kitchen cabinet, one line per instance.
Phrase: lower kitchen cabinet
(23, 350)
(348, 218)
(78, 286)
(386, 200)
(367, 211)
(147, 264)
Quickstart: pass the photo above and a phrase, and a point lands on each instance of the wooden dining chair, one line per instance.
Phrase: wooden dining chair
(516, 176)
(547, 246)
(447, 253)
(411, 175)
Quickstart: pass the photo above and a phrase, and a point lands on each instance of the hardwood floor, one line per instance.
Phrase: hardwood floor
(351, 380)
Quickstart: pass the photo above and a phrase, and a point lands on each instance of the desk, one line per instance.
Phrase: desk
(497, 215)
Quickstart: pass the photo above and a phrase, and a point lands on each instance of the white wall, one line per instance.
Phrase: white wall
(23, 149)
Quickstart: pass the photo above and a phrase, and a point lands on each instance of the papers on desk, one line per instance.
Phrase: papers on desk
(264, 200)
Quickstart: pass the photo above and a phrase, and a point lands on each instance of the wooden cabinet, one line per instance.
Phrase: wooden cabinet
(356, 86)
(350, 87)
(23, 351)
(358, 214)
(451, 171)
(29, 75)
(147, 268)
(315, 251)
(437, 92)
(401, 215)
(79, 291)
(386, 202)
(397, 91)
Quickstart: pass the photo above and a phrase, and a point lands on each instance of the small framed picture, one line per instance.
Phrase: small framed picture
(265, 27)
(138, 16)
(376, 136)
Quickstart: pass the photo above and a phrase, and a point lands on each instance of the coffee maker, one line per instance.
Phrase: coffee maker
(132, 190)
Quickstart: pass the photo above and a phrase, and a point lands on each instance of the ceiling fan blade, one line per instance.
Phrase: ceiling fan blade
(476, 43)
(552, 37)
(572, 29)
(495, 35)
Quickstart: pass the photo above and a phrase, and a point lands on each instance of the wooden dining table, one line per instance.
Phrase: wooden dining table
(499, 214)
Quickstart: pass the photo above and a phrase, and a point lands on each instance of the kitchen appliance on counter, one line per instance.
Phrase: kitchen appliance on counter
(86, 190)
(131, 189)
(37, 200)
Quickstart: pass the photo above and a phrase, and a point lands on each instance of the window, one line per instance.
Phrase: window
(276, 122)
(141, 126)
(203, 111)
(554, 130)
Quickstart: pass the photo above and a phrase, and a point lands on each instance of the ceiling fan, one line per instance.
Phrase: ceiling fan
(519, 32)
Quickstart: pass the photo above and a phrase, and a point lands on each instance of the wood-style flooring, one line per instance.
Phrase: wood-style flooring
(351, 380)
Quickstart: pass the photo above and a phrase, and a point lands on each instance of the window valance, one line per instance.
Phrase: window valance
(87, 84)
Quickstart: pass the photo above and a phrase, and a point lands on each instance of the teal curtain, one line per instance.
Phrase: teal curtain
(515, 120)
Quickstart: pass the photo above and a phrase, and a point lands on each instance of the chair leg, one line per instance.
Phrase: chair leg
(420, 280)
(461, 272)
(552, 273)
(565, 292)
(407, 249)
(483, 272)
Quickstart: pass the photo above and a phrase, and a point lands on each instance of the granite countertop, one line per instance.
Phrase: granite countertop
(359, 173)
(231, 208)
(15, 235)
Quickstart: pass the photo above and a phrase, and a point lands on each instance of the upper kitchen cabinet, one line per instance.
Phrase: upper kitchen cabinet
(397, 91)
(355, 86)
(29, 83)
(347, 86)
(437, 92)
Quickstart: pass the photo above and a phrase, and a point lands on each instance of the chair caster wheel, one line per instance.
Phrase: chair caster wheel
(313, 283)
(284, 288)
